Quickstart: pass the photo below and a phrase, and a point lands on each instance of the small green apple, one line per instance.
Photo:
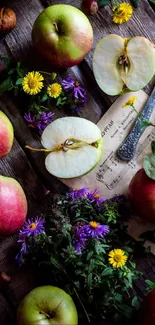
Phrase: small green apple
(63, 35)
(73, 145)
(123, 64)
(47, 305)
(6, 135)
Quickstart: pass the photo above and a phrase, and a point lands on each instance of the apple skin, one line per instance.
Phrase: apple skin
(142, 195)
(63, 35)
(146, 314)
(46, 301)
(13, 206)
(6, 135)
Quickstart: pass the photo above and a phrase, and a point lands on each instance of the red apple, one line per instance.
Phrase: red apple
(13, 206)
(89, 7)
(142, 195)
(6, 135)
(63, 35)
(147, 310)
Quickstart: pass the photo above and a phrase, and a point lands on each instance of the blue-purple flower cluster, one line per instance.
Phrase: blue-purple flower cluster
(31, 228)
(39, 122)
(88, 231)
(76, 92)
(92, 196)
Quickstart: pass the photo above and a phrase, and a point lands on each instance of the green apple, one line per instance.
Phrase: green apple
(63, 35)
(47, 305)
(123, 64)
(6, 135)
(73, 146)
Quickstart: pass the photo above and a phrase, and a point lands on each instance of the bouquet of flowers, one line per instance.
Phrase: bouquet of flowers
(85, 245)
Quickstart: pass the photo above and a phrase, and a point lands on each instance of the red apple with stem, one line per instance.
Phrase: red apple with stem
(63, 35)
(13, 206)
(6, 135)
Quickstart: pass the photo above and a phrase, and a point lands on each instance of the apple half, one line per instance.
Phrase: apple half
(76, 145)
(73, 146)
(123, 64)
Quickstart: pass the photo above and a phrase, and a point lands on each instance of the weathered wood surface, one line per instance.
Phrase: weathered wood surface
(27, 167)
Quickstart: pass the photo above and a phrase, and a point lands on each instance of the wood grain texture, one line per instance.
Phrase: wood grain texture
(28, 167)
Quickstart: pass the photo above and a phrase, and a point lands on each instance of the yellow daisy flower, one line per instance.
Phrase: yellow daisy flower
(130, 101)
(122, 13)
(32, 83)
(54, 90)
(117, 258)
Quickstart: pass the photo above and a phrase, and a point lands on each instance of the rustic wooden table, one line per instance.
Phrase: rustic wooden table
(28, 167)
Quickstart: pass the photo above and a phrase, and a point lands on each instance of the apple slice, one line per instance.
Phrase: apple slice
(121, 65)
(74, 145)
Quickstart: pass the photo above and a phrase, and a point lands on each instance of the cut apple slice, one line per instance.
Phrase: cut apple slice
(74, 146)
(122, 65)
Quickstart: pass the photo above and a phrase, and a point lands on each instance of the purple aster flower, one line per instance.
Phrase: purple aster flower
(20, 256)
(95, 230)
(74, 194)
(78, 92)
(87, 231)
(39, 122)
(94, 196)
(68, 83)
(32, 227)
(79, 239)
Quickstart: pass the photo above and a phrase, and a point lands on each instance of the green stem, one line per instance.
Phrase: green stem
(44, 72)
(142, 117)
(82, 305)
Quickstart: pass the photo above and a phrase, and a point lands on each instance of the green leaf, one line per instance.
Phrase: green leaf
(135, 3)
(44, 98)
(89, 255)
(145, 123)
(153, 147)
(149, 166)
(19, 81)
(150, 285)
(107, 271)
(102, 3)
(134, 301)
(5, 61)
(153, 1)
(6, 85)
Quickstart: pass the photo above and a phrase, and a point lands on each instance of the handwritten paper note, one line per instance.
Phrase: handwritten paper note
(112, 175)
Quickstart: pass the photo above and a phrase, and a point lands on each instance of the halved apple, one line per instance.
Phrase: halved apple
(123, 64)
(73, 146)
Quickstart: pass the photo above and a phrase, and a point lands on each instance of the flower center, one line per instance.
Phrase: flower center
(93, 224)
(33, 225)
(76, 83)
(117, 258)
(33, 83)
(96, 196)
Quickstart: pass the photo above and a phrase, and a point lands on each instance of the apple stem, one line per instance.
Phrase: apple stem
(56, 26)
(35, 149)
(43, 313)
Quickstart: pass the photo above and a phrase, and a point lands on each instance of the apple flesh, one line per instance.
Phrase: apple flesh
(47, 305)
(142, 195)
(147, 310)
(6, 135)
(75, 146)
(13, 206)
(63, 35)
(123, 64)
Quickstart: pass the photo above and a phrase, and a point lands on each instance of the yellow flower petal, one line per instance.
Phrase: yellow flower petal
(32, 83)
(122, 13)
(54, 90)
(117, 258)
(130, 101)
